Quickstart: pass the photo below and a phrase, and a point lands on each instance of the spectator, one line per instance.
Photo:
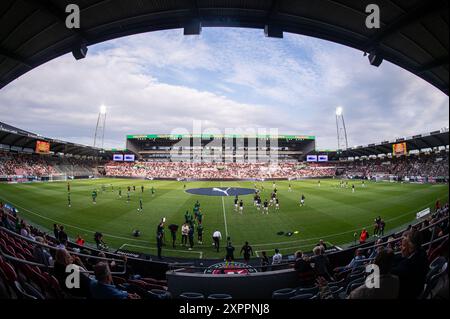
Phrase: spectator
(62, 260)
(322, 243)
(79, 241)
(305, 273)
(413, 266)
(363, 237)
(264, 261)
(98, 238)
(277, 258)
(389, 284)
(56, 231)
(62, 236)
(320, 263)
(356, 262)
(40, 254)
(103, 288)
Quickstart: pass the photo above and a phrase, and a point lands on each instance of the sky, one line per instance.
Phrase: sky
(225, 79)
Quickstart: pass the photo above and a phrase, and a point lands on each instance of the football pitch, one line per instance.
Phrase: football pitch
(330, 212)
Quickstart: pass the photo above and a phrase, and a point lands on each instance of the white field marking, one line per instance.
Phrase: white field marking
(293, 247)
(224, 215)
(255, 245)
(175, 250)
(343, 233)
(71, 226)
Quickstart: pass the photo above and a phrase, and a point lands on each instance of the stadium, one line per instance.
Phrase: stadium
(196, 214)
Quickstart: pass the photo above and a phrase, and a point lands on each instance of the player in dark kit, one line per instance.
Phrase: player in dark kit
(68, 187)
(69, 203)
(241, 206)
(200, 234)
(140, 205)
(236, 201)
(120, 192)
(302, 200)
(129, 188)
(266, 207)
(142, 189)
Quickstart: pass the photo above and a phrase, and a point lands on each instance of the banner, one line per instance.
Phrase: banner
(423, 213)
(42, 147)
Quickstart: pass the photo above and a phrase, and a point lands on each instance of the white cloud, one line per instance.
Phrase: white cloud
(156, 82)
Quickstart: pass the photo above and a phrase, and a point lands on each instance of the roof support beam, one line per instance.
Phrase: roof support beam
(49, 7)
(15, 57)
(433, 64)
(272, 30)
(420, 11)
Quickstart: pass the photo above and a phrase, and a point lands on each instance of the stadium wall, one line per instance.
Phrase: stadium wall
(249, 286)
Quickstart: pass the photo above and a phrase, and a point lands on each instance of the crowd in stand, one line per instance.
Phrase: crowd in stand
(218, 170)
(403, 264)
(16, 164)
(24, 164)
(425, 165)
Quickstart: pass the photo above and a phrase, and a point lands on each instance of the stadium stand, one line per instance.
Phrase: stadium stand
(414, 261)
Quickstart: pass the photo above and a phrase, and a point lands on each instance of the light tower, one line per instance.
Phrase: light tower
(100, 127)
(341, 130)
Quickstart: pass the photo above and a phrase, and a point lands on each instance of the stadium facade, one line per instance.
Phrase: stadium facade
(221, 148)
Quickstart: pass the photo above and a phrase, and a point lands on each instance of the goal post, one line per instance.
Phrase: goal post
(57, 177)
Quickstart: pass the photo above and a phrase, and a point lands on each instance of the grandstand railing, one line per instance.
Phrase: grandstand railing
(7, 256)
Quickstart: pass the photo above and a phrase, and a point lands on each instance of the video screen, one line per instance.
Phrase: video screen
(118, 157)
(42, 147)
(399, 149)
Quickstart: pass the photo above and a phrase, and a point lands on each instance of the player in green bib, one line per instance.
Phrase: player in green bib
(69, 202)
(94, 196)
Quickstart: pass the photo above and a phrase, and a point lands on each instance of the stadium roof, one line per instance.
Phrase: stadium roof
(219, 136)
(414, 33)
(18, 138)
(416, 142)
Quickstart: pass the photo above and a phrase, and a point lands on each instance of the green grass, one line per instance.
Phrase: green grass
(331, 213)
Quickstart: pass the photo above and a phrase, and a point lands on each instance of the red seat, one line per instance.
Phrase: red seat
(9, 271)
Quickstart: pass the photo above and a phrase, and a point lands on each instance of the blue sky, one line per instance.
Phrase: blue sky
(227, 79)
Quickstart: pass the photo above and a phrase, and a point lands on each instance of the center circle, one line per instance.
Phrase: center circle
(221, 191)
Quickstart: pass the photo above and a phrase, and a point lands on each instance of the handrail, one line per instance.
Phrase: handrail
(27, 262)
(399, 238)
(55, 248)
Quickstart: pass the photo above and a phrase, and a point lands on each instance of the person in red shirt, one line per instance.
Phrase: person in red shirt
(79, 241)
(363, 237)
